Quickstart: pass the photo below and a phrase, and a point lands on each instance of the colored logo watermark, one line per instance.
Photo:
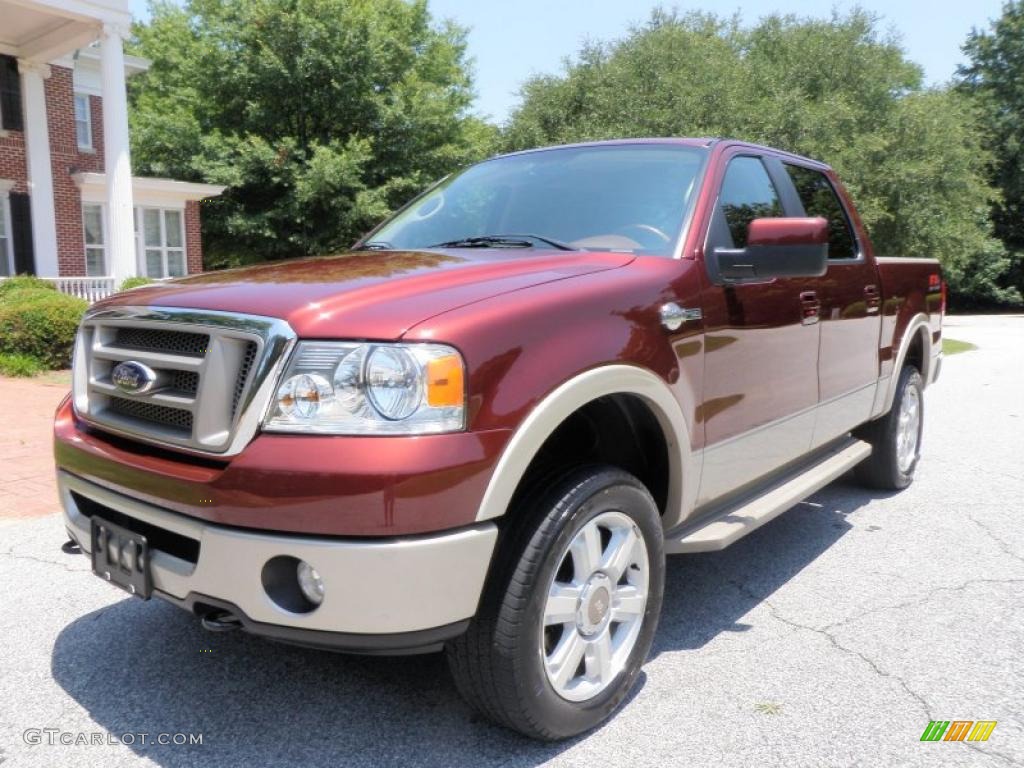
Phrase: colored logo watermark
(958, 730)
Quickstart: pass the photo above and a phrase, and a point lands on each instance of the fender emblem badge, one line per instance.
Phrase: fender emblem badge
(673, 316)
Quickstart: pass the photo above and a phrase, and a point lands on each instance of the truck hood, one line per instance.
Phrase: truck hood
(369, 294)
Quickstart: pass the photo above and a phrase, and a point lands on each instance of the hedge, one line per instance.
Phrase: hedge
(19, 365)
(38, 321)
(135, 282)
(13, 287)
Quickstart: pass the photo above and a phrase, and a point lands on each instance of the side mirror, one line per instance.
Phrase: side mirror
(778, 247)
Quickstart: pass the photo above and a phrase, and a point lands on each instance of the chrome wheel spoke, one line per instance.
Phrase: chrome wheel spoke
(563, 601)
(599, 658)
(586, 552)
(620, 553)
(629, 603)
(565, 659)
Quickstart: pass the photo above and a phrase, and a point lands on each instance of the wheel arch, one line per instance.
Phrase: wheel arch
(577, 393)
(915, 346)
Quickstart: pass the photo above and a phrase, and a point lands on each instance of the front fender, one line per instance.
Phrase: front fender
(537, 355)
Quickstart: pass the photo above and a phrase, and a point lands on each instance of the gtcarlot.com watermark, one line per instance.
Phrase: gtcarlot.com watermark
(54, 736)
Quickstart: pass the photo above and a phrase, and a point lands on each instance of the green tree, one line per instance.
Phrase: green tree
(995, 77)
(914, 159)
(320, 115)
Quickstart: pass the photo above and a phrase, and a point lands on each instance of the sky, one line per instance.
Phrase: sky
(510, 40)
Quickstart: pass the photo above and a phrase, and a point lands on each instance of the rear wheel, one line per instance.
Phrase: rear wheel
(896, 437)
(569, 615)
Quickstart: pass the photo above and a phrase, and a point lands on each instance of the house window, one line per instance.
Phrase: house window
(95, 242)
(6, 247)
(163, 242)
(83, 121)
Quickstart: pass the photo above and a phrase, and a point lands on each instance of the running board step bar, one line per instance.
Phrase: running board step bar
(721, 529)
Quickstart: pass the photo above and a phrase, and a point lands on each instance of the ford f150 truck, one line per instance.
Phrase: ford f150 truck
(484, 427)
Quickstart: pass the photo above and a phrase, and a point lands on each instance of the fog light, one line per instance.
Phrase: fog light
(310, 583)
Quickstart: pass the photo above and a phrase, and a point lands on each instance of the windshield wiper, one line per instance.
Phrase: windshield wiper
(375, 245)
(503, 241)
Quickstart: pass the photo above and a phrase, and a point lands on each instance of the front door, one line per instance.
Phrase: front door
(761, 344)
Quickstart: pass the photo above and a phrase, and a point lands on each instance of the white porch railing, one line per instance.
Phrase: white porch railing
(89, 288)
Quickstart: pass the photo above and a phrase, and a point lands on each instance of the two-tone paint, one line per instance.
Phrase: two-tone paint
(738, 393)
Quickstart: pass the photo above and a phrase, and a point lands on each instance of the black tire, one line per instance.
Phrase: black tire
(496, 664)
(882, 469)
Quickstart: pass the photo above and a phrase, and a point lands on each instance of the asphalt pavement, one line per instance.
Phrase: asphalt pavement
(830, 637)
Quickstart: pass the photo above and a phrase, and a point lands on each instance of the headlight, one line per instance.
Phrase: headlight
(347, 388)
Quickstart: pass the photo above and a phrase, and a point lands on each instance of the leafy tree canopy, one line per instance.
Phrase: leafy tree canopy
(995, 77)
(914, 159)
(320, 115)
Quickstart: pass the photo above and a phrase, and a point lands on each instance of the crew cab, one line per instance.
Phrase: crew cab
(484, 427)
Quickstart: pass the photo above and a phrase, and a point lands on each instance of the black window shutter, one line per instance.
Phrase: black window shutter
(21, 224)
(10, 94)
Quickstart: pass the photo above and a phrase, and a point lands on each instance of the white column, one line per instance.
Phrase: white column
(40, 172)
(120, 227)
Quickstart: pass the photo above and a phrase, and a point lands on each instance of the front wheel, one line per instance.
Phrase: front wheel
(569, 615)
(896, 437)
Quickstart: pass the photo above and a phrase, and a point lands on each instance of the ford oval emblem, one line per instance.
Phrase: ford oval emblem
(132, 377)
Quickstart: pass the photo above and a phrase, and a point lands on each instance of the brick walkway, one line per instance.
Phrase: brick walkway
(27, 487)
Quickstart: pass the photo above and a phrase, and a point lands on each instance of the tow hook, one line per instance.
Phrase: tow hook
(220, 621)
(71, 547)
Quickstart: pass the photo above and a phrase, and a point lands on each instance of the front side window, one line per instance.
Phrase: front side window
(163, 242)
(83, 121)
(747, 194)
(819, 198)
(95, 242)
(623, 197)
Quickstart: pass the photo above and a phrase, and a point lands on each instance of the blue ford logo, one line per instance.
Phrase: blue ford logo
(132, 377)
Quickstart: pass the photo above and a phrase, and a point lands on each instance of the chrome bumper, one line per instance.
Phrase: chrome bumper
(372, 587)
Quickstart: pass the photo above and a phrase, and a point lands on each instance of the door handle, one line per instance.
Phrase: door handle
(872, 299)
(810, 308)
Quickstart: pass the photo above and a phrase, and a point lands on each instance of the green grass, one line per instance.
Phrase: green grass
(954, 347)
(16, 364)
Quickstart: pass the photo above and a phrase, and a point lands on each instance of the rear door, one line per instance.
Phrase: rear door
(849, 295)
(761, 341)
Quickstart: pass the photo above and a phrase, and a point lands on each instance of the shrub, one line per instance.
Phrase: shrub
(135, 282)
(40, 325)
(19, 365)
(15, 286)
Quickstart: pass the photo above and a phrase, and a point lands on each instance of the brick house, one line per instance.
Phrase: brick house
(69, 208)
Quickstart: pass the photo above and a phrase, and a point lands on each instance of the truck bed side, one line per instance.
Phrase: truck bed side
(912, 308)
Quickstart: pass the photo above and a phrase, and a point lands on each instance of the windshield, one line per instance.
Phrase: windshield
(627, 197)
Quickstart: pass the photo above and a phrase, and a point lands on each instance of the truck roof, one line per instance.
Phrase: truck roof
(705, 141)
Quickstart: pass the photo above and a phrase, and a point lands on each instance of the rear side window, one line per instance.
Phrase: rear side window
(747, 194)
(820, 199)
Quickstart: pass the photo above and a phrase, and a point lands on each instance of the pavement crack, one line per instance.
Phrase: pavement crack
(15, 556)
(988, 751)
(749, 593)
(918, 600)
(1003, 545)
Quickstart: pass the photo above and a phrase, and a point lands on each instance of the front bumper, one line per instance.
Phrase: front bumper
(387, 594)
(313, 485)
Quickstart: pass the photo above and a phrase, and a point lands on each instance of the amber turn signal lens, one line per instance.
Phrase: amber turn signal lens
(445, 385)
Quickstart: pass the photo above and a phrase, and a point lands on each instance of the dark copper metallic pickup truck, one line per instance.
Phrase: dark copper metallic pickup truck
(484, 427)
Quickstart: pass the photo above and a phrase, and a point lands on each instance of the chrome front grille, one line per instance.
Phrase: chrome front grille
(243, 374)
(175, 418)
(154, 340)
(214, 372)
